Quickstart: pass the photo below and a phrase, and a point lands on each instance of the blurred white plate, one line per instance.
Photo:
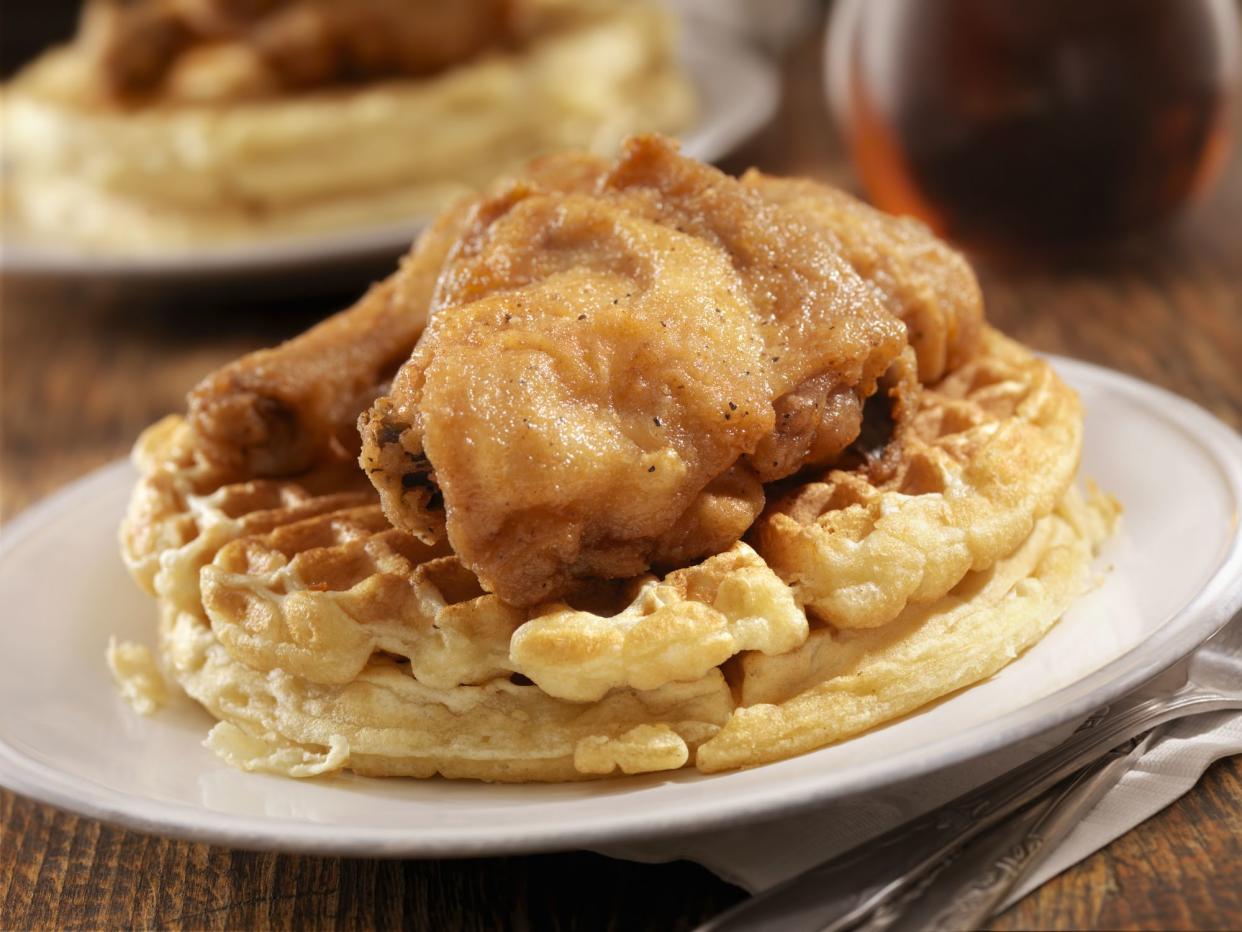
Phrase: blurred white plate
(738, 91)
(67, 738)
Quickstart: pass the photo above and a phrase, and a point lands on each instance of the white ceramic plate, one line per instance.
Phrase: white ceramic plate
(738, 92)
(67, 738)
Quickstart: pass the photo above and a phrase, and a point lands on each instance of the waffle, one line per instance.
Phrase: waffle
(322, 638)
(278, 601)
(200, 164)
(385, 722)
(841, 682)
(989, 450)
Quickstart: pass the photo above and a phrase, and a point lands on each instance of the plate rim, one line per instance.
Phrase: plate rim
(1213, 606)
(752, 72)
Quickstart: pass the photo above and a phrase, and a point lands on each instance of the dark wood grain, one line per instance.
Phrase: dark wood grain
(83, 369)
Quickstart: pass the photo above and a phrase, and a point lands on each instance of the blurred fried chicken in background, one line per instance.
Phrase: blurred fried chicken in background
(173, 124)
(289, 44)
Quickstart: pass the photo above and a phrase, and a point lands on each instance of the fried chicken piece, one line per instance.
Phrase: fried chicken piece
(789, 262)
(924, 282)
(571, 419)
(604, 363)
(294, 44)
(132, 46)
(278, 411)
(315, 42)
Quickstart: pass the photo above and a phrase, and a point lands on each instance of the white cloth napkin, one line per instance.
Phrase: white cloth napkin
(756, 857)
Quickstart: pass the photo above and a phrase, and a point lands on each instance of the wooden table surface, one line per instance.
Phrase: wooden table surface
(85, 367)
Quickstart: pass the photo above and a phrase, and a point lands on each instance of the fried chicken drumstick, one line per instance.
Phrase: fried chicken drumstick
(279, 411)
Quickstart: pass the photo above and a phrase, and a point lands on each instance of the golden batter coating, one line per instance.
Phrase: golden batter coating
(598, 357)
(921, 279)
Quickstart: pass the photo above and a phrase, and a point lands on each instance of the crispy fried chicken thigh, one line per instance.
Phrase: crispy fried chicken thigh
(611, 372)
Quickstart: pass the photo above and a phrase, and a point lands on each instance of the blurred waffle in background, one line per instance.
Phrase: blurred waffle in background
(170, 123)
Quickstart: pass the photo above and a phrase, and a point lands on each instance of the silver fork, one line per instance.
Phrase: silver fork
(977, 878)
(842, 891)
